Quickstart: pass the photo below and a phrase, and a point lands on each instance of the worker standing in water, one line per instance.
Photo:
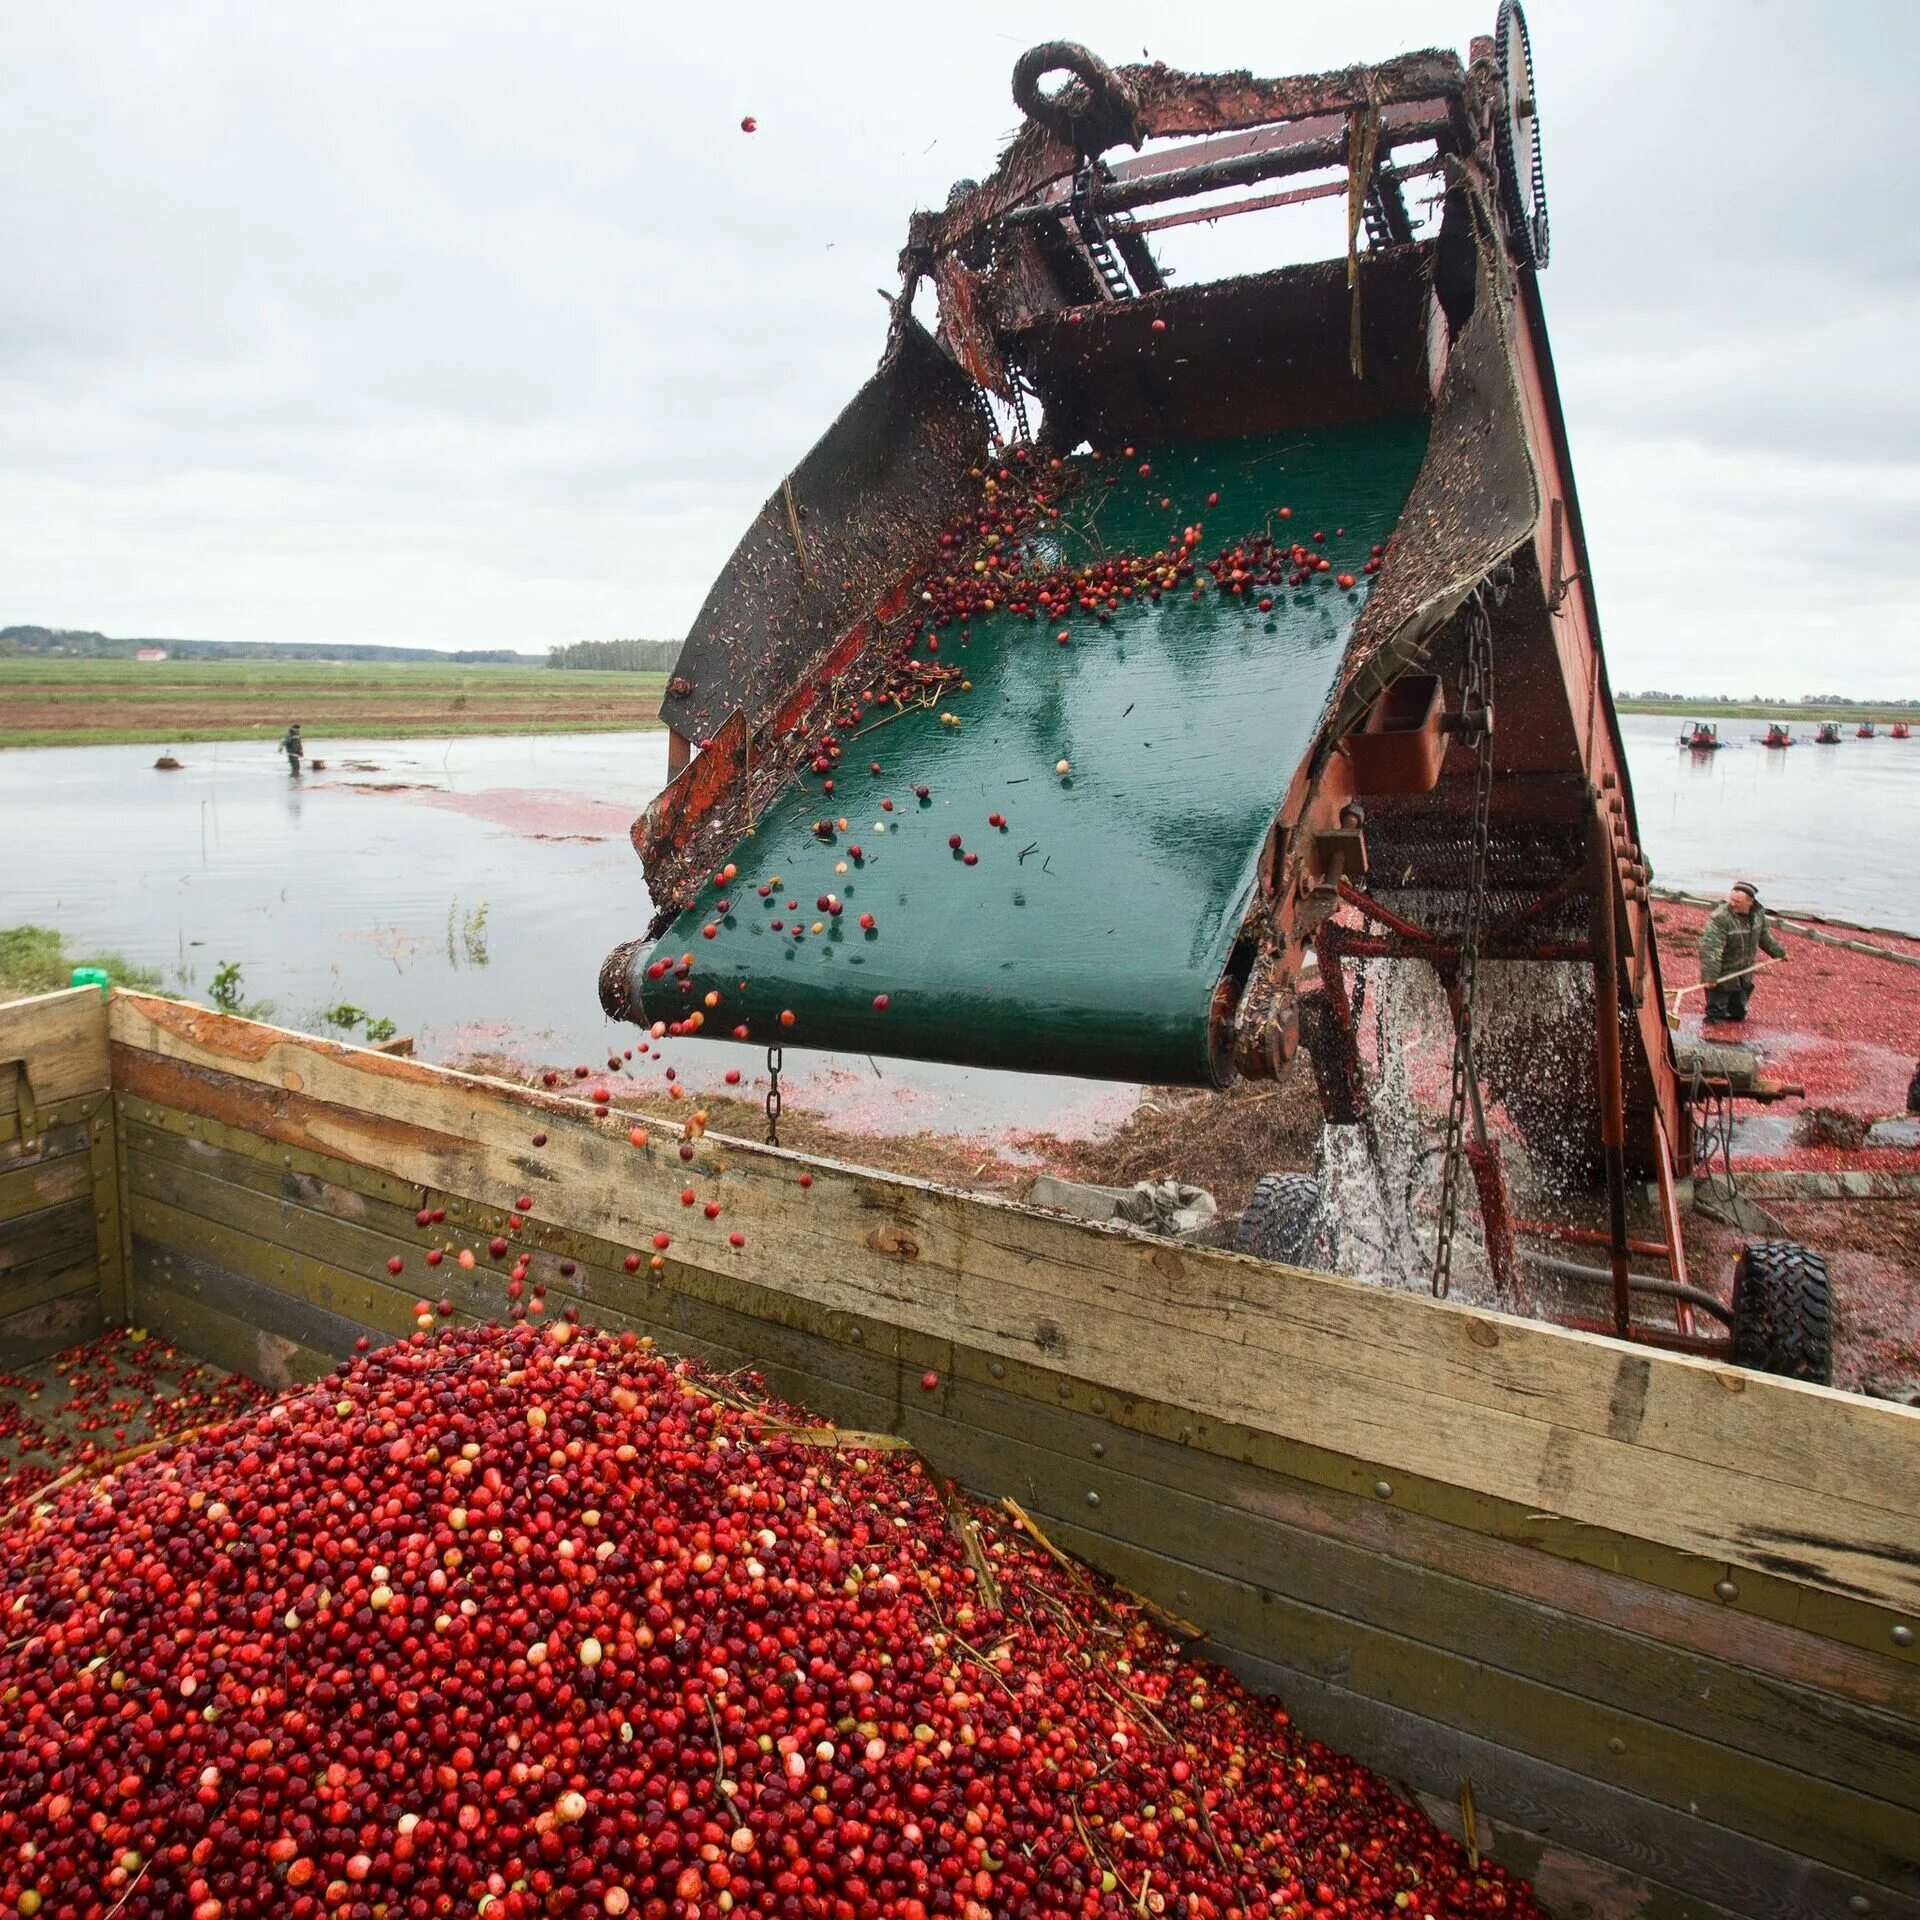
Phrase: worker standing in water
(1731, 943)
(293, 747)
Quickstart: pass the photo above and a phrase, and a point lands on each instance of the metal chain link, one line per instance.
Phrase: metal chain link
(773, 1096)
(1476, 721)
(1022, 426)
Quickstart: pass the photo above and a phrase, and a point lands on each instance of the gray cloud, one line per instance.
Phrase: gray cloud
(484, 324)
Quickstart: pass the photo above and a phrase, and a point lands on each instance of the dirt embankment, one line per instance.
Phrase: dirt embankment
(94, 702)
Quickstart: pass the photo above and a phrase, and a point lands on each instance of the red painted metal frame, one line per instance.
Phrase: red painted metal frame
(1249, 130)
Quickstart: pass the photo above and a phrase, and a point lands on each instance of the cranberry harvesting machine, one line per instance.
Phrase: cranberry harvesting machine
(1639, 1625)
(1133, 663)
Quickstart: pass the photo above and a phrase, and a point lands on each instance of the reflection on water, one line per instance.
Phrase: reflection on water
(466, 890)
(1827, 829)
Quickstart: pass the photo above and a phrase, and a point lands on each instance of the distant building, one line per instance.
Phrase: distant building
(151, 653)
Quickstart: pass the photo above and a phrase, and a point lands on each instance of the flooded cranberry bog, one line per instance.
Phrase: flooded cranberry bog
(1638, 1625)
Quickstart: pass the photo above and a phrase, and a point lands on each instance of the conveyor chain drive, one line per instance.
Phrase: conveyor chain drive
(1093, 233)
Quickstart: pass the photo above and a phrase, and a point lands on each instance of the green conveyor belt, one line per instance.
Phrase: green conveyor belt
(1091, 934)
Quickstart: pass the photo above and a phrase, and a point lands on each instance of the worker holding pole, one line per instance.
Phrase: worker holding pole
(1731, 942)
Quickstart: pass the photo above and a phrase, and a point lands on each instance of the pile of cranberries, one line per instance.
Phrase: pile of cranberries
(997, 557)
(95, 1401)
(504, 1622)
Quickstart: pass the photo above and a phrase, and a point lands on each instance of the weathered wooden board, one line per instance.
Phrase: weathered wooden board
(217, 1337)
(62, 1040)
(57, 1137)
(44, 1183)
(1584, 1572)
(235, 1222)
(1820, 1488)
(1413, 1599)
(63, 1231)
(32, 1333)
(56, 1152)
(1853, 1831)
(340, 1216)
(1592, 1849)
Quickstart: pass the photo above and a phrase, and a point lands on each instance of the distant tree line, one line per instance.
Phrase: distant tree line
(1764, 699)
(618, 656)
(76, 644)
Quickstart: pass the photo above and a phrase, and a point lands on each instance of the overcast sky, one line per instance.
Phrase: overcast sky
(484, 325)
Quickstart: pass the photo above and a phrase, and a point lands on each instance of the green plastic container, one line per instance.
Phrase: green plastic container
(90, 977)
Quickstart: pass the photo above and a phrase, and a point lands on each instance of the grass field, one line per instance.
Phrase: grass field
(1768, 710)
(67, 703)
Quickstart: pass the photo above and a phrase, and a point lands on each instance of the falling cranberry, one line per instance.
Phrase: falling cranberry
(929, 1382)
(396, 1264)
(881, 1002)
(749, 124)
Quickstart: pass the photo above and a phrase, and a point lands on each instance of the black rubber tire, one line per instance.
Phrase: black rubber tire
(1284, 1221)
(1783, 1311)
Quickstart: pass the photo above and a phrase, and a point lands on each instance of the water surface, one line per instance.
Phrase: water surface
(468, 889)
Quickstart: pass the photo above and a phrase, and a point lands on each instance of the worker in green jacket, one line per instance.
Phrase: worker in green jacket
(1731, 943)
(294, 748)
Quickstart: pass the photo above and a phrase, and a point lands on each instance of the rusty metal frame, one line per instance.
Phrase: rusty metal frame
(1494, 497)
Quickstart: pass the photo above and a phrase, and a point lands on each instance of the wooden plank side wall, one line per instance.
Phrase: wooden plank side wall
(60, 1265)
(1650, 1723)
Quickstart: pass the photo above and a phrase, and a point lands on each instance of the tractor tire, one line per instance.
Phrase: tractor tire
(1284, 1221)
(1783, 1311)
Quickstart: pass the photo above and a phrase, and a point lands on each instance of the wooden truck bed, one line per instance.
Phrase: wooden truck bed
(1649, 1616)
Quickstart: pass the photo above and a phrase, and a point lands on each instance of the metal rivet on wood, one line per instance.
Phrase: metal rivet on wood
(1903, 1636)
(1726, 1590)
(1383, 1489)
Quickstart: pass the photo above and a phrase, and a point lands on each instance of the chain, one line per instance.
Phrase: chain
(1021, 424)
(1476, 724)
(773, 1096)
